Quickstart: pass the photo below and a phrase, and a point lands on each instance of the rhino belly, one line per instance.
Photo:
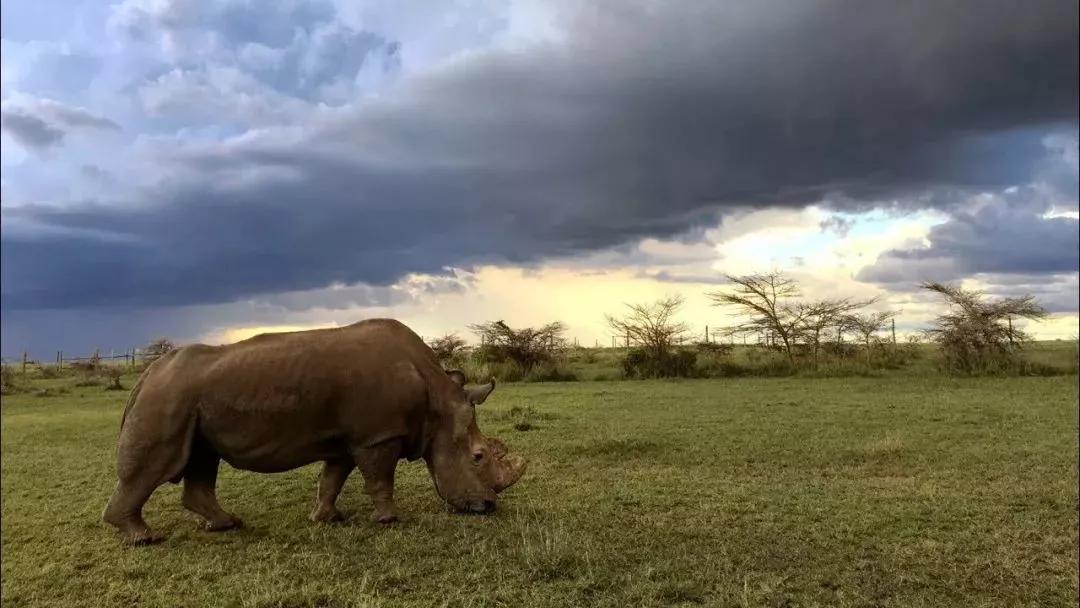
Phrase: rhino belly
(270, 440)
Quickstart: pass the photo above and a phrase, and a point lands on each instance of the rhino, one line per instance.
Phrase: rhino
(365, 395)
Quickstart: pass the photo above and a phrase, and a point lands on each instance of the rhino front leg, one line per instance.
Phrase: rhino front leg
(331, 480)
(377, 464)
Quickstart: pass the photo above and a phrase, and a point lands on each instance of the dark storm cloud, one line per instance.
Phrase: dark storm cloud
(30, 131)
(1018, 232)
(38, 124)
(836, 224)
(645, 122)
(1058, 294)
(1001, 237)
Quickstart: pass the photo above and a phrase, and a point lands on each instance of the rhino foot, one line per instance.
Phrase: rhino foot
(326, 515)
(230, 522)
(387, 517)
(141, 537)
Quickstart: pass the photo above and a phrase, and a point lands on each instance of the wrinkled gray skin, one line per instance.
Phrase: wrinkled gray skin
(365, 396)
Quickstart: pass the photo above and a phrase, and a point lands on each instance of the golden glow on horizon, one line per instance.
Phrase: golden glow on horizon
(579, 293)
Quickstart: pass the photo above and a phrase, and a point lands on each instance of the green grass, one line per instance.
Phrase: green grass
(744, 492)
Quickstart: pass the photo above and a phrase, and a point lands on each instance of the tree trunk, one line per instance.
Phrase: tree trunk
(787, 347)
(817, 346)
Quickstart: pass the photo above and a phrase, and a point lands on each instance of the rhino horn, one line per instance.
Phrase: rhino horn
(513, 467)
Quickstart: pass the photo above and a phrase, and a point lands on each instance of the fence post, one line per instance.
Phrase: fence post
(627, 339)
(24, 362)
(706, 334)
(894, 332)
(1010, 331)
(60, 363)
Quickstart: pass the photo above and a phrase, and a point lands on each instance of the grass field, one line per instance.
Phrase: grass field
(893, 491)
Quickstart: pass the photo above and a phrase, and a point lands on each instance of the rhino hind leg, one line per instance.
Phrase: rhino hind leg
(148, 456)
(200, 482)
(377, 464)
(331, 481)
(125, 511)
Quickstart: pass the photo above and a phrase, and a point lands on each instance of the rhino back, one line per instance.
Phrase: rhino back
(279, 401)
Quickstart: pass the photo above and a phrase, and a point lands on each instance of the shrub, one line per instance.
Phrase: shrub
(866, 326)
(9, 381)
(526, 347)
(715, 349)
(49, 372)
(157, 349)
(550, 372)
(894, 356)
(505, 371)
(113, 374)
(640, 363)
(840, 350)
(447, 348)
(587, 355)
(87, 366)
(653, 330)
(976, 335)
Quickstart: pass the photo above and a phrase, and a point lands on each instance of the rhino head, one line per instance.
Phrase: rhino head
(469, 468)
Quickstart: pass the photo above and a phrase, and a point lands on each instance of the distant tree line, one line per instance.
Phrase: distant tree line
(975, 335)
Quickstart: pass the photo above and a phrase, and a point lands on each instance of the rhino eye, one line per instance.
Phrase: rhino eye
(477, 457)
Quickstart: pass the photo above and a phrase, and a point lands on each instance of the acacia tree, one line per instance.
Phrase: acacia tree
(653, 330)
(528, 347)
(824, 314)
(157, 349)
(652, 326)
(866, 326)
(447, 347)
(976, 332)
(766, 300)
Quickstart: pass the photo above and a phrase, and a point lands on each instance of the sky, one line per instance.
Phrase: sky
(211, 170)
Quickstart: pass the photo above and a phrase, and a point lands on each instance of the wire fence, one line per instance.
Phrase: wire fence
(129, 358)
(132, 356)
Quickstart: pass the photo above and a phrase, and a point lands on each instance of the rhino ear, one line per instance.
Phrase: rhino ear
(457, 376)
(479, 394)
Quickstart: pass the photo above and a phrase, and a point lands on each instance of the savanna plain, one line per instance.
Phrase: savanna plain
(894, 489)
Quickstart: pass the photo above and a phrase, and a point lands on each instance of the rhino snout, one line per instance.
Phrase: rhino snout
(486, 505)
(475, 504)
